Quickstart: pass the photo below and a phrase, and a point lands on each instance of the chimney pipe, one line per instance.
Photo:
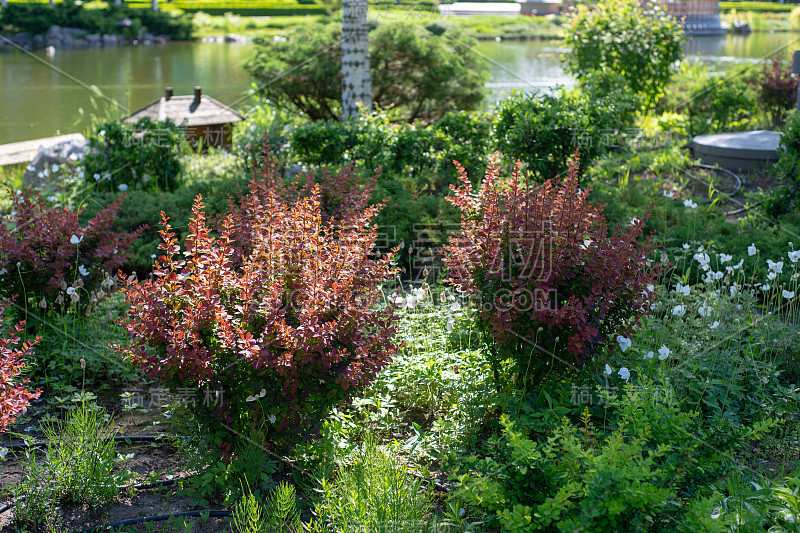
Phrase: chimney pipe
(168, 93)
(197, 92)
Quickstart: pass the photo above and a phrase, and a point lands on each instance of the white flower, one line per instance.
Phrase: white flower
(752, 250)
(765, 287)
(794, 256)
(667, 194)
(738, 265)
(712, 276)
(52, 198)
(663, 352)
(609, 370)
(123, 187)
(679, 310)
(55, 168)
(43, 304)
(714, 325)
(96, 176)
(787, 294)
(455, 306)
(624, 342)
(419, 293)
(724, 258)
(70, 290)
(771, 276)
(450, 323)
(411, 301)
(634, 220)
(400, 302)
(689, 203)
(272, 419)
(682, 289)
(685, 246)
(102, 133)
(648, 355)
(775, 267)
(75, 239)
(702, 258)
(83, 271)
(734, 290)
(624, 373)
(650, 287)
(250, 399)
(704, 310)
(3, 272)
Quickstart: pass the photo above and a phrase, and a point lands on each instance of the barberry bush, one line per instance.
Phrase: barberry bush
(554, 284)
(280, 334)
(48, 260)
(14, 396)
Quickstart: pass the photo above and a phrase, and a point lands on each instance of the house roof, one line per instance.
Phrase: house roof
(179, 108)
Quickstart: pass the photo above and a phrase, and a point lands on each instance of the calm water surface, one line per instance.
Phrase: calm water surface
(42, 96)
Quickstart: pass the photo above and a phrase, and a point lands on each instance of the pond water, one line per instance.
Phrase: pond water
(43, 95)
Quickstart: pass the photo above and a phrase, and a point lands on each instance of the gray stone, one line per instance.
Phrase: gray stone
(42, 170)
(110, 40)
(235, 38)
(80, 43)
(53, 34)
(93, 39)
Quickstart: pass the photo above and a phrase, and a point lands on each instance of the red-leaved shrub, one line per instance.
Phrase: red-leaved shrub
(778, 91)
(14, 397)
(284, 332)
(552, 281)
(44, 252)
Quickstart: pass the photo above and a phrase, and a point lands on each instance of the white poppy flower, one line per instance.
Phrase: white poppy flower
(123, 187)
(775, 267)
(771, 276)
(724, 258)
(663, 352)
(794, 256)
(648, 355)
(83, 271)
(411, 301)
(272, 419)
(682, 289)
(419, 293)
(704, 310)
(455, 306)
(685, 246)
(70, 290)
(714, 325)
(624, 342)
(765, 287)
(679, 310)
(667, 194)
(752, 250)
(250, 399)
(650, 287)
(624, 373)
(609, 370)
(75, 239)
(787, 294)
(689, 203)
(450, 323)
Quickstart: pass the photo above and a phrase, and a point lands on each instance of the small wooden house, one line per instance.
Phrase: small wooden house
(204, 119)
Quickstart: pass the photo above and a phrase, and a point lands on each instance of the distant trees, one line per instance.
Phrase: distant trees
(415, 74)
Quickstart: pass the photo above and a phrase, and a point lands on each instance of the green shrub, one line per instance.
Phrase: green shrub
(581, 478)
(544, 132)
(787, 196)
(141, 156)
(621, 37)
(727, 103)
